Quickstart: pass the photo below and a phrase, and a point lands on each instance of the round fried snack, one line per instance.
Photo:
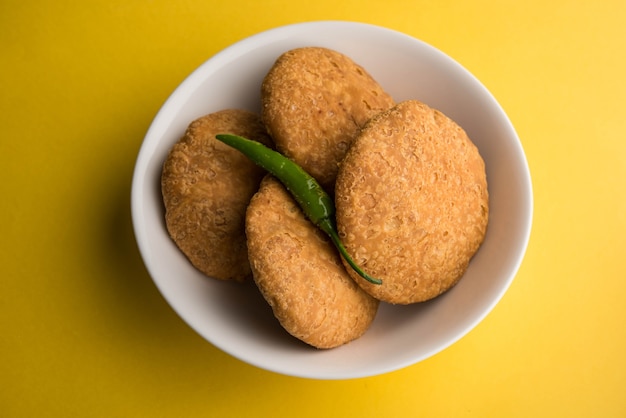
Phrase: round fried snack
(314, 102)
(206, 187)
(412, 203)
(300, 274)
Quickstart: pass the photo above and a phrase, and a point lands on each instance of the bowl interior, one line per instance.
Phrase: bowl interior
(234, 317)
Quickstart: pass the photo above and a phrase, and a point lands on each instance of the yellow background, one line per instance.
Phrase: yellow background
(84, 331)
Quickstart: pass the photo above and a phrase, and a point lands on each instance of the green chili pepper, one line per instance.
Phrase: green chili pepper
(316, 204)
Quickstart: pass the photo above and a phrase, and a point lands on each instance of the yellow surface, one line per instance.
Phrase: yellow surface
(86, 333)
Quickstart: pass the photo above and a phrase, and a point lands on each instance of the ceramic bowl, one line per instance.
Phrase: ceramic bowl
(234, 317)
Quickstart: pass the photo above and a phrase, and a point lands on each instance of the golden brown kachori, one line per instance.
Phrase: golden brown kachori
(300, 274)
(412, 202)
(206, 187)
(314, 102)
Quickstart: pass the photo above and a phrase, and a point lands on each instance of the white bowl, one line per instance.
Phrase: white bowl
(235, 318)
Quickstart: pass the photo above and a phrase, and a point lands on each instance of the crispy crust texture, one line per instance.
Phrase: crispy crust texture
(300, 274)
(206, 187)
(412, 203)
(314, 102)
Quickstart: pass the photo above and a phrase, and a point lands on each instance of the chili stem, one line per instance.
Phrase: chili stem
(334, 236)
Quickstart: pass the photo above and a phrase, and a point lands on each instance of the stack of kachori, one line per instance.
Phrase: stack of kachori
(409, 186)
